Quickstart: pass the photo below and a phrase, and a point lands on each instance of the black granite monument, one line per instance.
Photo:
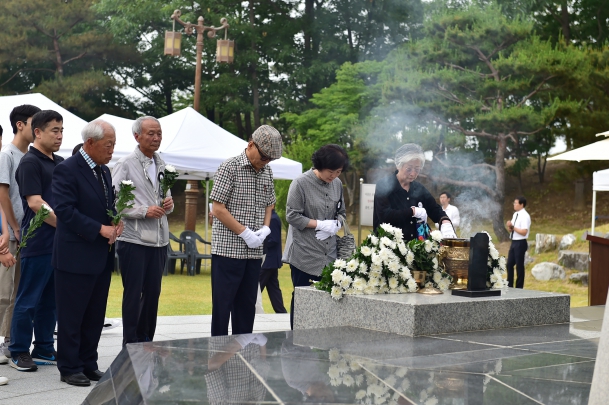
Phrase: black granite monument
(478, 269)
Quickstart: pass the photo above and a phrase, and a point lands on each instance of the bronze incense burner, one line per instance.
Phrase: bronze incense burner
(455, 257)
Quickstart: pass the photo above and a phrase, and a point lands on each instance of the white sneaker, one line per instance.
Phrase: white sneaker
(4, 350)
(3, 380)
(3, 360)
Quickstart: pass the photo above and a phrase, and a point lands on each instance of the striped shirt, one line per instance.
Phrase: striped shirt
(311, 198)
(246, 194)
(92, 165)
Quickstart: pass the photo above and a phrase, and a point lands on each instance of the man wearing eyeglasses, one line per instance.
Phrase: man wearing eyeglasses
(243, 200)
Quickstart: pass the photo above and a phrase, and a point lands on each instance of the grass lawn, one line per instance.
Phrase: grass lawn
(186, 295)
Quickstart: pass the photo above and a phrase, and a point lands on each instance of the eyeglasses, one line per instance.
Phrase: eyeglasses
(416, 170)
(263, 157)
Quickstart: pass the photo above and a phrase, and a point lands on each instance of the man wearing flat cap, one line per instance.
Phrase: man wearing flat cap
(244, 198)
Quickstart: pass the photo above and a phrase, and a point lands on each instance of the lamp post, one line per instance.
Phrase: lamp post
(224, 53)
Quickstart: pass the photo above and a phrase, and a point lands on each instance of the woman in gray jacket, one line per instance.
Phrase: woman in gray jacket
(315, 203)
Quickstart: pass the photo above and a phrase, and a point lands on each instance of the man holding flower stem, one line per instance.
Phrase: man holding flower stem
(35, 304)
(142, 248)
(82, 188)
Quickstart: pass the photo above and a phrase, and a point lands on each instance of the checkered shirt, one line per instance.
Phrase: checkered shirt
(234, 382)
(92, 165)
(246, 194)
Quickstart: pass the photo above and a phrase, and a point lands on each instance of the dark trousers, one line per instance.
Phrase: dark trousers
(81, 307)
(34, 307)
(269, 279)
(234, 288)
(141, 272)
(299, 279)
(516, 257)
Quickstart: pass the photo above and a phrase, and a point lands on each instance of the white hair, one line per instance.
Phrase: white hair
(407, 153)
(136, 128)
(95, 130)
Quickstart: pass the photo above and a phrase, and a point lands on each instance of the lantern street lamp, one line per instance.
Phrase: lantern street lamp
(224, 53)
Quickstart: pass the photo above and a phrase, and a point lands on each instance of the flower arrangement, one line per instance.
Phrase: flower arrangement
(426, 253)
(496, 267)
(35, 223)
(166, 180)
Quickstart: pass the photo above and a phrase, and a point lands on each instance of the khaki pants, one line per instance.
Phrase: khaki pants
(9, 281)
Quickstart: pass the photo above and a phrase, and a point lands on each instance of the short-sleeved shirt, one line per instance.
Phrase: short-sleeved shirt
(521, 220)
(9, 161)
(34, 176)
(246, 194)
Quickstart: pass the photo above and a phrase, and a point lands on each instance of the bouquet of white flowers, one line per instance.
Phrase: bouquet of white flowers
(496, 267)
(379, 265)
(425, 257)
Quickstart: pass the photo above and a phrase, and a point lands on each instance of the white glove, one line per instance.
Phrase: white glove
(252, 240)
(263, 232)
(330, 226)
(256, 338)
(323, 235)
(420, 213)
(448, 232)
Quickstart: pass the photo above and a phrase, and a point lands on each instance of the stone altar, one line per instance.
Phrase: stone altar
(418, 315)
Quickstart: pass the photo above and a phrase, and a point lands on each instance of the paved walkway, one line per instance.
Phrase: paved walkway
(44, 387)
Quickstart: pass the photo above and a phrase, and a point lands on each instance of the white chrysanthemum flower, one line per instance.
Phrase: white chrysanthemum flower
(359, 283)
(343, 367)
(502, 263)
(359, 395)
(355, 366)
(127, 182)
(352, 265)
(437, 236)
(350, 291)
(494, 253)
(402, 248)
(363, 268)
(437, 276)
(493, 278)
(170, 168)
(374, 282)
(336, 293)
(428, 246)
(370, 290)
(374, 240)
(376, 269)
(397, 232)
(383, 254)
(409, 257)
(46, 207)
(444, 284)
(359, 380)
(385, 241)
(412, 285)
(497, 271)
(387, 228)
(423, 395)
(382, 282)
(348, 380)
(405, 384)
(333, 372)
(394, 266)
(337, 276)
(401, 372)
(366, 251)
(334, 355)
(432, 401)
(435, 262)
(405, 274)
(391, 380)
(346, 281)
(335, 382)
(393, 283)
(376, 259)
(340, 264)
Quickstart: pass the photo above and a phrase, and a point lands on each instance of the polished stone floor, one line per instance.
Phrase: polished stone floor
(550, 364)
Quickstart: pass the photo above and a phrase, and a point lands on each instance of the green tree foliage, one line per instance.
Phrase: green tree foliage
(58, 48)
(485, 76)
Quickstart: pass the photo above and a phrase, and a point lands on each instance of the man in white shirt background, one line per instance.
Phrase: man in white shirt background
(519, 228)
(451, 211)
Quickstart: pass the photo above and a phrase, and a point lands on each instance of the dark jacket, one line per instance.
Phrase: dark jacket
(272, 244)
(80, 207)
(392, 205)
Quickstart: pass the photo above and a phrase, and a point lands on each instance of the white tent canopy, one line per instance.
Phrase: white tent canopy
(72, 124)
(595, 151)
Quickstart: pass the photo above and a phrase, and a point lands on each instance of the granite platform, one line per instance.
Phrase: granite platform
(547, 364)
(418, 315)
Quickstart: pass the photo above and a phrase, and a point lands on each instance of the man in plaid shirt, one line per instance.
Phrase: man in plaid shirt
(244, 197)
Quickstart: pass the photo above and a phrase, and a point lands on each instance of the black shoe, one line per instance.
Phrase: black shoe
(23, 362)
(78, 379)
(93, 375)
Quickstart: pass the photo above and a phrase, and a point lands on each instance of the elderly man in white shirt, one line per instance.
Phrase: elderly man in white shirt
(451, 211)
(519, 228)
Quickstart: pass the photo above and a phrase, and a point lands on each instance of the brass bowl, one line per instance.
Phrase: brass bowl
(455, 256)
(419, 277)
